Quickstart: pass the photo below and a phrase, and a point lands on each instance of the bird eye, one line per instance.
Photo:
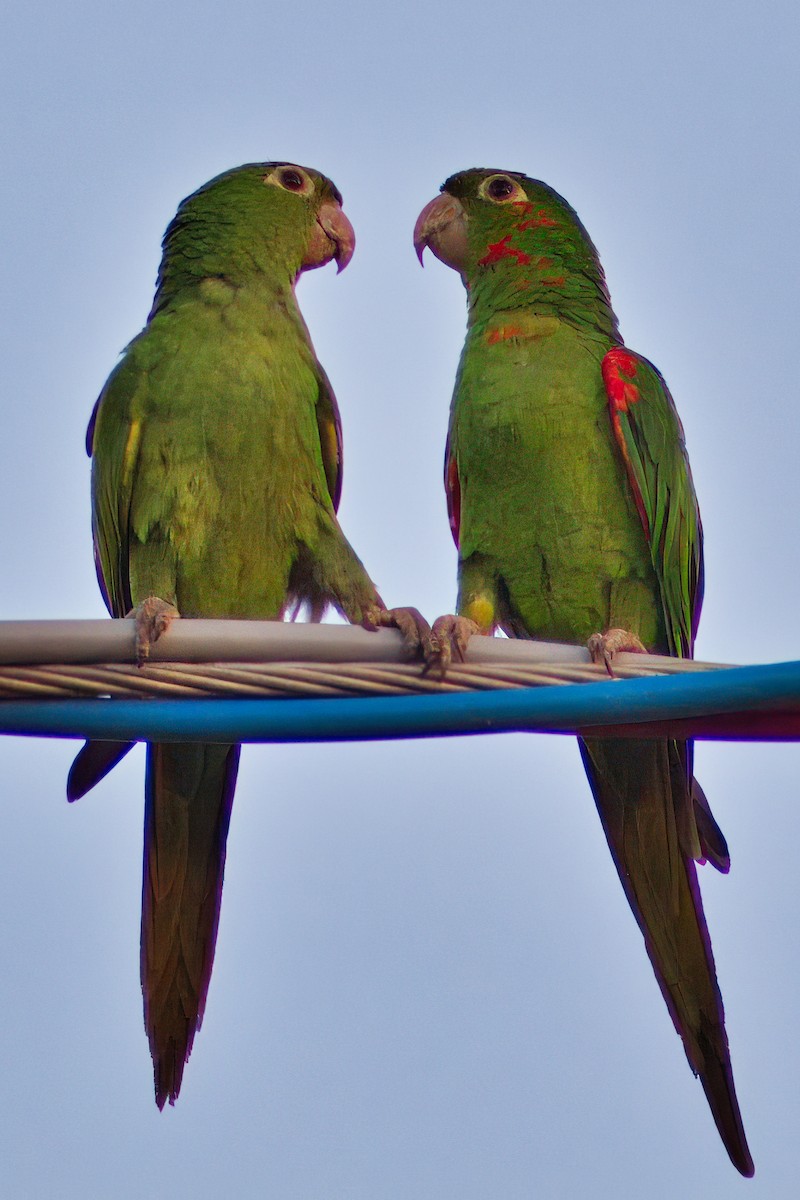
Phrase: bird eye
(292, 180)
(500, 188)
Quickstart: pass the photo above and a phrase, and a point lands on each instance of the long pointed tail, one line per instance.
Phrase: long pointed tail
(188, 799)
(646, 808)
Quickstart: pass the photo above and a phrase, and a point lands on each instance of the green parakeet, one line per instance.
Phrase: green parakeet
(216, 474)
(572, 505)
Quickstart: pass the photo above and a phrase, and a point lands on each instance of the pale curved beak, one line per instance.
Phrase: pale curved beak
(338, 229)
(442, 225)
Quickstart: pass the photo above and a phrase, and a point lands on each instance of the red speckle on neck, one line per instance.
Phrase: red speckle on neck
(500, 250)
(555, 281)
(539, 220)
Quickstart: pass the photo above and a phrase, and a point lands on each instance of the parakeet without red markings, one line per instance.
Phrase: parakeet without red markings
(572, 505)
(216, 474)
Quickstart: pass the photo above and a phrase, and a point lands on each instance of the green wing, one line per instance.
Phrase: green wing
(112, 444)
(650, 436)
(330, 435)
(132, 523)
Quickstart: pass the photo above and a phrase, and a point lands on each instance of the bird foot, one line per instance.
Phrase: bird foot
(451, 635)
(603, 647)
(153, 617)
(416, 631)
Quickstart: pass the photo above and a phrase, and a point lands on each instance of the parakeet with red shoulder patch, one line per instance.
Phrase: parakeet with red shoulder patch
(572, 505)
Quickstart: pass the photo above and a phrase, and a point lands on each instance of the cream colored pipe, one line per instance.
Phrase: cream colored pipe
(194, 641)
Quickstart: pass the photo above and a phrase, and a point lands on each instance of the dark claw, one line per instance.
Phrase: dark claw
(603, 647)
(451, 635)
(416, 631)
(153, 618)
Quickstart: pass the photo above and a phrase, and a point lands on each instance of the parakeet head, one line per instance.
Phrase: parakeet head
(273, 219)
(512, 238)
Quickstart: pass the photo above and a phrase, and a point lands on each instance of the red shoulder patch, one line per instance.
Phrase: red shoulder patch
(619, 368)
(452, 487)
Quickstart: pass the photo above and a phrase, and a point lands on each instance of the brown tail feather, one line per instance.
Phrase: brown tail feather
(712, 839)
(188, 799)
(637, 796)
(92, 763)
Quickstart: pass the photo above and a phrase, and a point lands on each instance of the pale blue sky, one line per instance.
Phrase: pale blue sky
(428, 984)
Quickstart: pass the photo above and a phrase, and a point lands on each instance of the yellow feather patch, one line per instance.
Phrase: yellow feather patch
(329, 445)
(481, 610)
(522, 327)
(131, 451)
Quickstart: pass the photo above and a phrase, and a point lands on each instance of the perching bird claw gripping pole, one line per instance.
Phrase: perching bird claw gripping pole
(231, 680)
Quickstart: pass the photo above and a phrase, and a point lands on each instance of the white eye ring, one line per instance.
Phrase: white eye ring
(290, 179)
(513, 192)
